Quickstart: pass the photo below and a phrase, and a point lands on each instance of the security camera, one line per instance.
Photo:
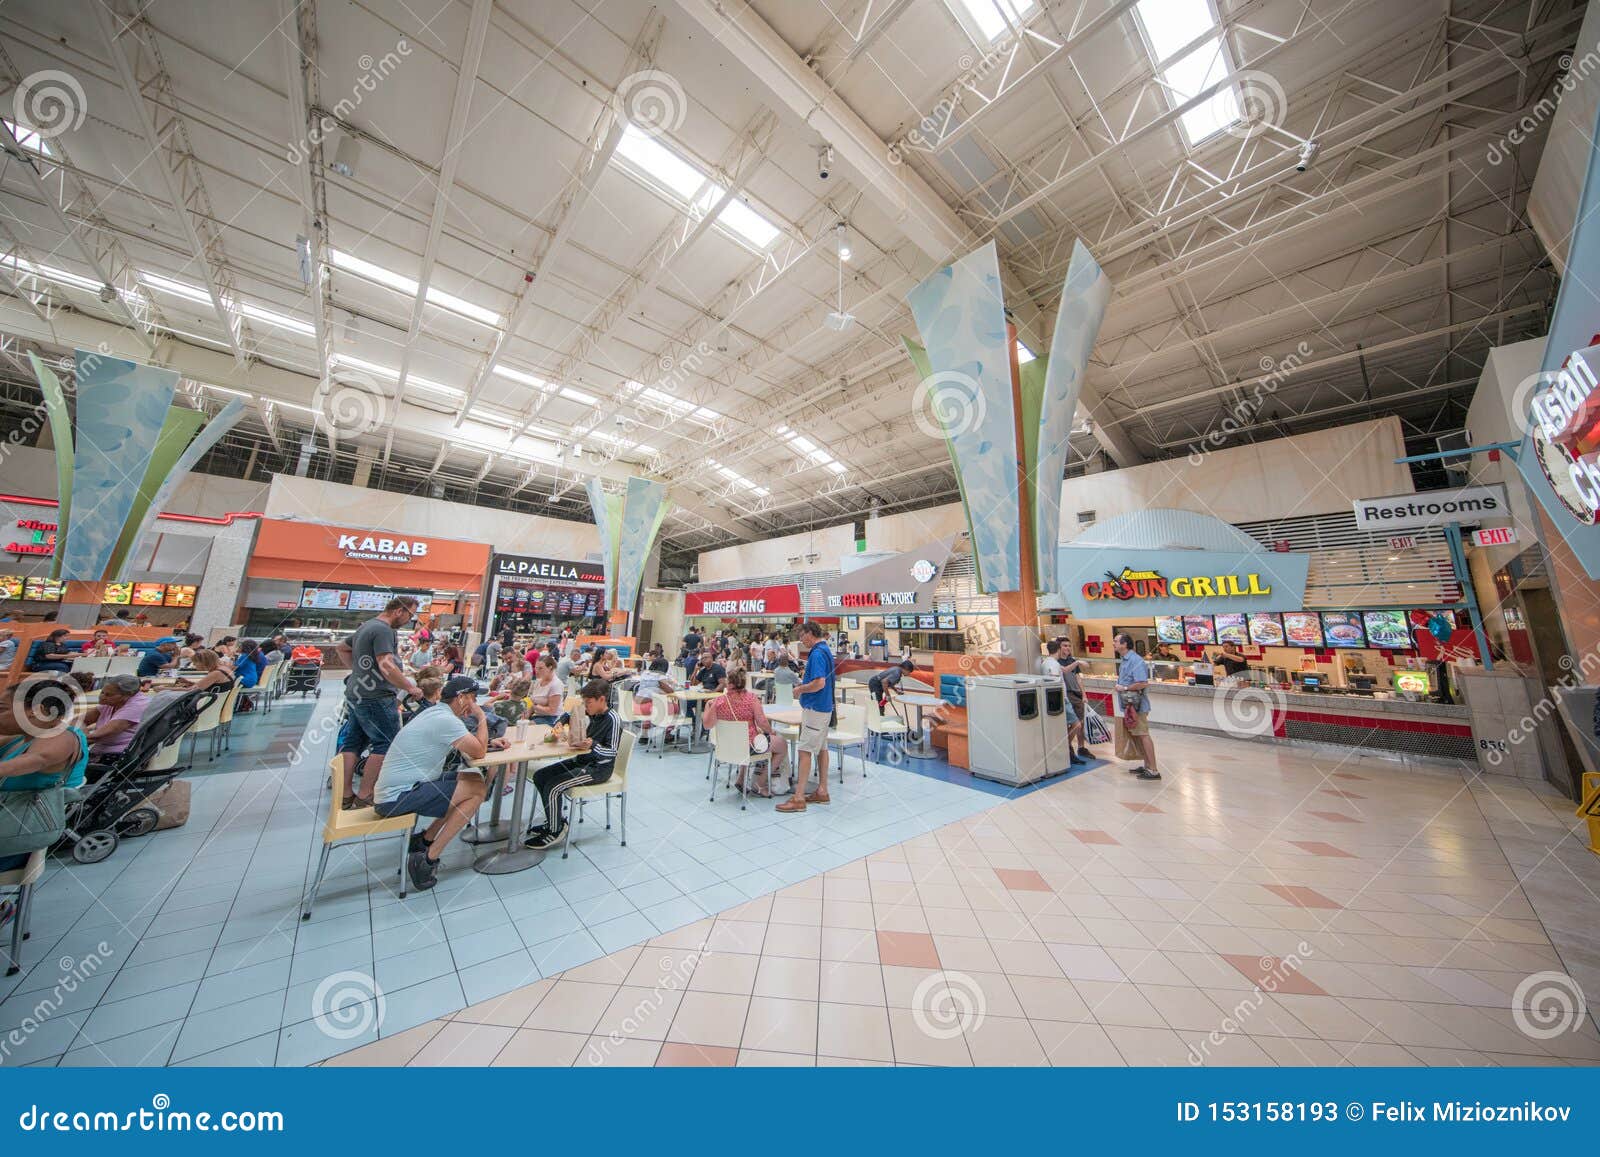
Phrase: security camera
(1308, 153)
(825, 161)
(108, 293)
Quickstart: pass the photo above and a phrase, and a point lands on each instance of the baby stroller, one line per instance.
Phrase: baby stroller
(305, 671)
(112, 806)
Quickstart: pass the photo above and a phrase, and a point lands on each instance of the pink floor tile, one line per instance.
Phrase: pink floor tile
(1302, 897)
(1022, 880)
(1336, 817)
(675, 1055)
(1093, 836)
(1141, 807)
(1318, 848)
(1341, 793)
(907, 949)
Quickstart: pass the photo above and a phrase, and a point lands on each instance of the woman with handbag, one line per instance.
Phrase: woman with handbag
(738, 704)
(41, 754)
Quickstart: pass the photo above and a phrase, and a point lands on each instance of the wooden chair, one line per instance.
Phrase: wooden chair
(22, 879)
(355, 824)
(617, 785)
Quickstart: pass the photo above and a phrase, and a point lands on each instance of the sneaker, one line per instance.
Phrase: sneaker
(1146, 773)
(1076, 759)
(541, 839)
(1085, 753)
(1136, 770)
(419, 843)
(424, 872)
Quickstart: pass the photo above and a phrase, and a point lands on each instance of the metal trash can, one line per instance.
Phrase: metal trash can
(1057, 739)
(1006, 729)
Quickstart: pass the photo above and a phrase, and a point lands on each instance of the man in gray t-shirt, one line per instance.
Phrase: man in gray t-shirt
(372, 716)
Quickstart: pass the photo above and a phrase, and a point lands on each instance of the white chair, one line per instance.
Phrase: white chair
(96, 665)
(883, 729)
(617, 786)
(850, 732)
(122, 665)
(783, 695)
(730, 749)
(224, 732)
(208, 723)
(22, 879)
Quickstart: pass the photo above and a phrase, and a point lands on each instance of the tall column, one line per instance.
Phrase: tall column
(1019, 609)
(222, 581)
(80, 604)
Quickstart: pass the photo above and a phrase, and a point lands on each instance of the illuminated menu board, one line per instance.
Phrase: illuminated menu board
(148, 594)
(180, 595)
(117, 594)
(1343, 629)
(1302, 628)
(1231, 629)
(1199, 629)
(43, 590)
(1266, 629)
(11, 586)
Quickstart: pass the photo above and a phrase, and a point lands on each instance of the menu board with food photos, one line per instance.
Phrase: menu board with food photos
(947, 622)
(43, 590)
(367, 601)
(1169, 628)
(117, 594)
(179, 595)
(1266, 629)
(891, 622)
(316, 598)
(1231, 628)
(1199, 629)
(1387, 629)
(1343, 629)
(1302, 628)
(148, 594)
(11, 586)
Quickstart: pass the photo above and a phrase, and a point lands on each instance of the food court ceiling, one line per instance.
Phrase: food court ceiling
(497, 247)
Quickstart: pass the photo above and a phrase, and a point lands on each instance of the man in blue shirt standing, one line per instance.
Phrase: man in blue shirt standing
(816, 716)
(1133, 676)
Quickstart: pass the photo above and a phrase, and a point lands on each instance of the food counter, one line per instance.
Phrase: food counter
(1438, 730)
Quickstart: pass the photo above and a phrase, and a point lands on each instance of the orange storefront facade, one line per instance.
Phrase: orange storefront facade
(329, 556)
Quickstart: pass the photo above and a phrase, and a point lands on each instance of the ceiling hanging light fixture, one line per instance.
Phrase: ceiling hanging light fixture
(839, 320)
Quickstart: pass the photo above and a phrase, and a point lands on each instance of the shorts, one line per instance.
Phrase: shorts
(1076, 699)
(1140, 728)
(429, 798)
(813, 730)
(370, 723)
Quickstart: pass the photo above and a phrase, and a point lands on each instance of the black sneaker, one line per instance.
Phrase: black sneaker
(1146, 773)
(1137, 770)
(424, 872)
(1076, 759)
(1085, 753)
(419, 843)
(539, 840)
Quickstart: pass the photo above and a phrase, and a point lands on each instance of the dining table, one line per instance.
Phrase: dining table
(922, 749)
(694, 699)
(518, 759)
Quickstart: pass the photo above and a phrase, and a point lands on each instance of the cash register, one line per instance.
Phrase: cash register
(1310, 683)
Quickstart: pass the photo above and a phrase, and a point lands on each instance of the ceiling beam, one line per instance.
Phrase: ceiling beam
(444, 187)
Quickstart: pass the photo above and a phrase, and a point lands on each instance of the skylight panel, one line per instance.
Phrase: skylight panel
(1024, 354)
(1171, 25)
(739, 479)
(810, 451)
(667, 169)
(578, 396)
(426, 385)
(989, 16)
(350, 263)
(281, 320)
(201, 296)
(525, 379)
(29, 139)
(167, 285)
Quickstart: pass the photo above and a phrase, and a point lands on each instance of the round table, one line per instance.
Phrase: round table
(694, 697)
(922, 749)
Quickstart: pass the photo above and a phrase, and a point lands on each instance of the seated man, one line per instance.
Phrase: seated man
(111, 725)
(709, 672)
(163, 657)
(597, 754)
(413, 777)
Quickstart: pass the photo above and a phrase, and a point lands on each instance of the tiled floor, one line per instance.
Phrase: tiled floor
(185, 946)
(1228, 915)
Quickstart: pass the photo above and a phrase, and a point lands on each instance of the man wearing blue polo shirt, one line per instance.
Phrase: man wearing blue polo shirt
(816, 716)
(1133, 677)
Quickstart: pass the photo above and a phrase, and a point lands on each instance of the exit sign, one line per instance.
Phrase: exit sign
(1495, 536)
(1403, 542)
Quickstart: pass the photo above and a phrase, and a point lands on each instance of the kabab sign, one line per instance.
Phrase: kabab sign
(370, 548)
(1433, 508)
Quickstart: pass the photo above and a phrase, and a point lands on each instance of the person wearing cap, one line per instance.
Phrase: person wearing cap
(413, 778)
(887, 682)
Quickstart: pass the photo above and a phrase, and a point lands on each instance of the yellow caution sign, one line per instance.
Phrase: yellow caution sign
(1590, 808)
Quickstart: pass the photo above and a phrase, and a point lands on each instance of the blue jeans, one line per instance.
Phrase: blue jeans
(429, 798)
(370, 723)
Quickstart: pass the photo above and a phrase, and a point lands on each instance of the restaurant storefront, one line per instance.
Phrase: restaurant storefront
(317, 582)
(768, 608)
(534, 595)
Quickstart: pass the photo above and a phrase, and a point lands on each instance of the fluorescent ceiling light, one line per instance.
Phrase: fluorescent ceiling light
(667, 169)
(29, 139)
(195, 293)
(224, 390)
(426, 385)
(60, 276)
(524, 378)
(281, 320)
(201, 296)
(989, 16)
(1168, 26)
(350, 263)
(702, 414)
(578, 396)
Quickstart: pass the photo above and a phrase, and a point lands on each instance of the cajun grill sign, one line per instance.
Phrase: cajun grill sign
(1110, 581)
(1148, 584)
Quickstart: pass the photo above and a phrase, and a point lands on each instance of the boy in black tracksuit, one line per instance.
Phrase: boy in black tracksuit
(592, 764)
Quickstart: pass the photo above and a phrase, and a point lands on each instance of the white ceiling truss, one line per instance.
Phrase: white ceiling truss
(431, 203)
